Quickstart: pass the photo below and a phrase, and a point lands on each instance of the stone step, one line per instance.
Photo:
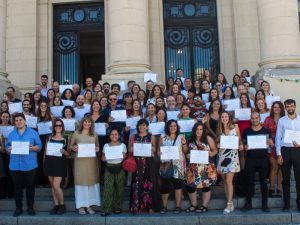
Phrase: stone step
(44, 205)
(212, 217)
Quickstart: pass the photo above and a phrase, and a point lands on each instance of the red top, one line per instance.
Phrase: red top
(270, 124)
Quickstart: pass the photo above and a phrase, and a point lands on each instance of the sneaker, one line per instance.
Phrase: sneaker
(229, 208)
(17, 212)
(53, 211)
(81, 211)
(90, 210)
(61, 209)
(31, 212)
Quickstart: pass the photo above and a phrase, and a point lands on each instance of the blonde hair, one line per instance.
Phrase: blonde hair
(92, 128)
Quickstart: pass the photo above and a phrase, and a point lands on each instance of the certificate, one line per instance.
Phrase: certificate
(62, 88)
(172, 115)
(122, 86)
(207, 105)
(114, 152)
(20, 148)
(142, 150)
(86, 150)
(199, 157)
(53, 149)
(290, 136)
(248, 79)
(263, 116)
(5, 130)
(205, 97)
(31, 121)
(169, 152)
(69, 124)
(150, 76)
(157, 128)
(132, 122)
(270, 99)
(67, 102)
(186, 125)
(242, 114)
(257, 142)
(119, 115)
(229, 142)
(57, 111)
(100, 129)
(45, 127)
(15, 107)
(232, 104)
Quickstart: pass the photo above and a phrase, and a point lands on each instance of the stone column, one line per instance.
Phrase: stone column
(128, 36)
(279, 32)
(4, 82)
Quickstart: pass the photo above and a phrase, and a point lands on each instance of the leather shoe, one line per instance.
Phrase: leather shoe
(31, 212)
(17, 212)
(247, 207)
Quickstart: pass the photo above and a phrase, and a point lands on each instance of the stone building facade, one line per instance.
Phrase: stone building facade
(259, 35)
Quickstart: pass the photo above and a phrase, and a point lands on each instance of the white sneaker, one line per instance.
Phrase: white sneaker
(229, 208)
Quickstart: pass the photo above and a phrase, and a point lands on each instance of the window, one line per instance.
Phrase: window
(191, 37)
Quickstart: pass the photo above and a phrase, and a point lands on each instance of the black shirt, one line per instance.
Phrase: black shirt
(256, 153)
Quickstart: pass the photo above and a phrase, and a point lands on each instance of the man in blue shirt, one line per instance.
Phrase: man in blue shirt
(23, 167)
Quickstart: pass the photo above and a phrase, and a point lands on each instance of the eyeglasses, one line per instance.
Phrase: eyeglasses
(196, 99)
(112, 99)
(58, 125)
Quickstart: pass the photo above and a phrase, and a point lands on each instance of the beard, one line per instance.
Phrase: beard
(291, 112)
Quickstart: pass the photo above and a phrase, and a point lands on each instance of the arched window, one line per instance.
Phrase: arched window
(191, 37)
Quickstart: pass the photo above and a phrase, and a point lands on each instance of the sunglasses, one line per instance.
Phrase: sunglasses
(58, 125)
(112, 99)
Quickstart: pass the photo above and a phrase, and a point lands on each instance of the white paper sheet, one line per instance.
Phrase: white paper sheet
(100, 129)
(142, 150)
(257, 142)
(20, 148)
(119, 115)
(229, 142)
(186, 125)
(53, 149)
(169, 152)
(157, 128)
(290, 136)
(69, 124)
(199, 157)
(114, 152)
(86, 150)
(45, 127)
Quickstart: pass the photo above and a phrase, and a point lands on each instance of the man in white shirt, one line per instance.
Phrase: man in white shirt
(80, 109)
(288, 154)
(44, 85)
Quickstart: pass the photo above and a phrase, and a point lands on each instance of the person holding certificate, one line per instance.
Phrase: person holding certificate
(185, 115)
(172, 172)
(288, 151)
(150, 113)
(114, 178)
(203, 174)
(23, 166)
(44, 115)
(257, 140)
(136, 113)
(277, 111)
(261, 107)
(86, 168)
(144, 180)
(55, 165)
(228, 163)
(155, 93)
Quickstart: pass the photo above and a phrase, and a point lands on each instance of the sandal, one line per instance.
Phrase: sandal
(177, 210)
(163, 210)
(81, 211)
(191, 209)
(202, 209)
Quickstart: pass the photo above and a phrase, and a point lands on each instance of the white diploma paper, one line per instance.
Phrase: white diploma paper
(15, 107)
(119, 115)
(100, 129)
(142, 150)
(86, 150)
(53, 149)
(205, 97)
(69, 124)
(114, 152)
(186, 125)
(122, 85)
(172, 115)
(257, 142)
(57, 111)
(242, 114)
(263, 116)
(150, 76)
(232, 104)
(5, 130)
(31, 121)
(229, 142)
(20, 148)
(45, 127)
(169, 153)
(62, 88)
(290, 136)
(68, 102)
(199, 157)
(270, 99)
(132, 122)
(157, 128)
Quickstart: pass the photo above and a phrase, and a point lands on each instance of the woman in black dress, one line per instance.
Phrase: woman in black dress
(55, 166)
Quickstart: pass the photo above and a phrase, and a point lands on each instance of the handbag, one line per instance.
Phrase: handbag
(114, 168)
(129, 164)
(166, 169)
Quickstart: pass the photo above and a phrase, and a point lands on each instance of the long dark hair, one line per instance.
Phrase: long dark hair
(63, 95)
(140, 122)
(47, 117)
(203, 138)
(210, 109)
(53, 125)
(167, 127)
(282, 111)
(161, 94)
(248, 100)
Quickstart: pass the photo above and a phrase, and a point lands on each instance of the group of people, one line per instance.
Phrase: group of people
(184, 136)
